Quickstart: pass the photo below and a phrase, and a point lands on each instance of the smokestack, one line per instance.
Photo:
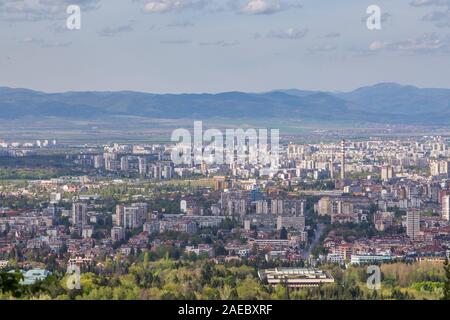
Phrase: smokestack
(343, 160)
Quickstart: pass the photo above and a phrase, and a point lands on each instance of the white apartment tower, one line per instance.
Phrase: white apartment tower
(124, 166)
(143, 166)
(118, 222)
(131, 217)
(262, 207)
(446, 208)
(79, 215)
(387, 173)
(277, 206)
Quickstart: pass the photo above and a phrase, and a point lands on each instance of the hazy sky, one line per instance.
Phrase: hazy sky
(223, 45)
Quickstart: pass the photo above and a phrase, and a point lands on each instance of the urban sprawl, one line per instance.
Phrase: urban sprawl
(321, 210)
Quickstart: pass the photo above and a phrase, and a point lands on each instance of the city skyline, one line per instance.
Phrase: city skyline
(129, 212)
(224, 154)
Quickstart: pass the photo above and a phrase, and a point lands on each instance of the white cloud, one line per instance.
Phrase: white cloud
(427, 43)
(162, 6)
(267, 6)
(377, 45)
(41, 9)
(290, 33)
(158, 6)
(424, 3)
(441, 19)
(261, 6)
(238, 6)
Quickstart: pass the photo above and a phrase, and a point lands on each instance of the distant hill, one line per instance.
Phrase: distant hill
(381, 103)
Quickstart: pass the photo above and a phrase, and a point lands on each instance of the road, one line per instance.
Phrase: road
(315, 242)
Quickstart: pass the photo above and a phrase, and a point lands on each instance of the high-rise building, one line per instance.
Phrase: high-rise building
(439, 168)
(413, 224)
(434, 168)
(446, 207)
(343, 160)
(117, 234)
(234, 203)
(118, 221)
(295, 222)
(221, 183)
(204, 168)
(183, 206)
(111, 163)
(444, 166)
(79, 214)
(331, 167)
(294, 207)
(131, 217)
(387, 173)
(142, 211)
(124, 164)
(157, 171)
(262, 207)
(55, 197)
(276, 206)
(143, 166)
(167, 172)
(99, 161)
(152, 226)
(323, 206)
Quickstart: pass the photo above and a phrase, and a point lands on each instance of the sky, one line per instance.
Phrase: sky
(184, 46)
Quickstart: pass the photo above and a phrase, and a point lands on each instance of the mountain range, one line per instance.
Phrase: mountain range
(389, 103)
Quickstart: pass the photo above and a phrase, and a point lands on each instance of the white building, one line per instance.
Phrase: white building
(369, 259)
(446, 208)
(296, 277)
(87, 232)
(117, 234)
(79, 215)
(387, 173)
